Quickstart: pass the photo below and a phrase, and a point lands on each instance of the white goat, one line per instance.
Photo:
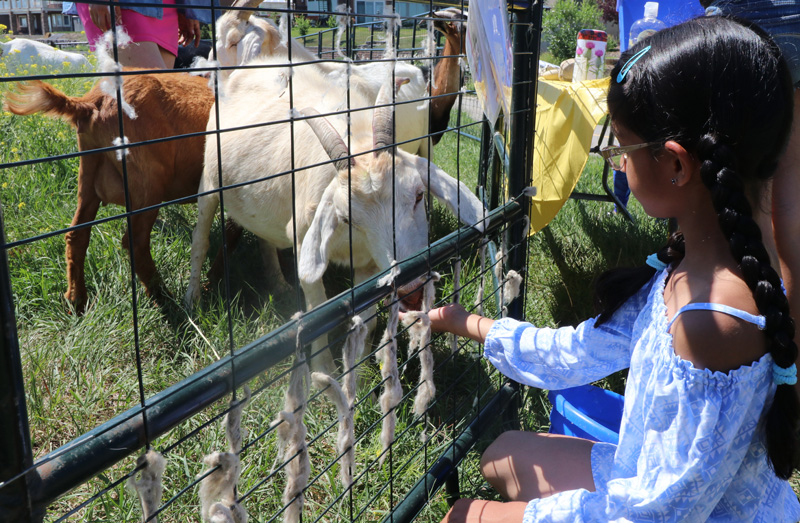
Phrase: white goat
(383, 202)
(21, 52)
(243, 38)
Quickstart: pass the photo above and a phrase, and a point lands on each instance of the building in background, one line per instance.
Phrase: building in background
(35, 17)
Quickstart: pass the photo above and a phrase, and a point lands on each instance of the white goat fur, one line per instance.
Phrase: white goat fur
(320, 193)
(21, 53)
(245, 42)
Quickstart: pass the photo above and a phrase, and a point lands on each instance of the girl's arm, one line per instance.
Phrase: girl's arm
(456, 319)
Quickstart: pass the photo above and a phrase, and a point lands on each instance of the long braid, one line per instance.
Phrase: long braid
(719, 172)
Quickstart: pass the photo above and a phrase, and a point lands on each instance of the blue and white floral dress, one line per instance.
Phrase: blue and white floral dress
(690, 448)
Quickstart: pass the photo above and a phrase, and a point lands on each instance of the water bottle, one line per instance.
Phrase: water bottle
(646, 26)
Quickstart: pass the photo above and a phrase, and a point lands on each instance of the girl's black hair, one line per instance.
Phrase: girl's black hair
(719, 87)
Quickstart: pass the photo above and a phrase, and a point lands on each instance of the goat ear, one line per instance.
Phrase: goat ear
(314, 251)
(249, 47)
(454, 194)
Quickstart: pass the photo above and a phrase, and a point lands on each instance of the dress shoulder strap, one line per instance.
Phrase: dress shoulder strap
(758, 321)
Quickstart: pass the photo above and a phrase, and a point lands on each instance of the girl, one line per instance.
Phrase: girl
(155, 31)
(702, 112)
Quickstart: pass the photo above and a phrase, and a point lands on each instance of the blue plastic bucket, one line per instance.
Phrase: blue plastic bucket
(586, 412)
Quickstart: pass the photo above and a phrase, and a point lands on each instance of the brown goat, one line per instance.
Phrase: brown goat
(169, 105)
(447, 73)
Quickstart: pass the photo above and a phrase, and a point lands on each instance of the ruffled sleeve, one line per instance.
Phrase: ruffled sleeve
(560, 358)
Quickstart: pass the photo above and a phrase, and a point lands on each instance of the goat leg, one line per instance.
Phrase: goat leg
(233, 232)
(142, 227)
(77, 243)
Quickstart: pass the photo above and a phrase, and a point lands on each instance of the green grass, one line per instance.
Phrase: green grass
(81, 371)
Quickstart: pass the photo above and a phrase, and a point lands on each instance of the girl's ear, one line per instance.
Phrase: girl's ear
(684, 167)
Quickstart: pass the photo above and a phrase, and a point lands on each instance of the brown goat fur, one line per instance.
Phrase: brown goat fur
(167, 105)
(447, 73)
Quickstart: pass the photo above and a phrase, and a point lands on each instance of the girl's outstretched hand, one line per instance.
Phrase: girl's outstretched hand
(456, 319)
(482, 511)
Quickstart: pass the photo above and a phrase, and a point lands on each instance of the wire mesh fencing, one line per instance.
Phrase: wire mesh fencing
(223, 339)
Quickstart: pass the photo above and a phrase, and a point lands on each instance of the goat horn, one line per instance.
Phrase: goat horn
(383, 117)
(244, 14)
(331, 141)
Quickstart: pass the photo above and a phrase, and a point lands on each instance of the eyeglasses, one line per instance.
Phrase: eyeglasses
(617, 156)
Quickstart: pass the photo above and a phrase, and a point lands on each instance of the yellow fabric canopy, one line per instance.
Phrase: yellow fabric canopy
(566, 116)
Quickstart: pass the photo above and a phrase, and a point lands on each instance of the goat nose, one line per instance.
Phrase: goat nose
(411, 295)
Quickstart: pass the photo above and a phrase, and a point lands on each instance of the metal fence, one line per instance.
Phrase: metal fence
(139, 390)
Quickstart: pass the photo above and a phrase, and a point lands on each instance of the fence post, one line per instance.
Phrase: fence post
(526, 22)
(15, 440)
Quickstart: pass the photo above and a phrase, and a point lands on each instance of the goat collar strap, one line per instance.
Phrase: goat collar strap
(630, 63)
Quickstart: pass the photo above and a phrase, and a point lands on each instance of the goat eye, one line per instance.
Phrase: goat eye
(345, 220)
(420, 196)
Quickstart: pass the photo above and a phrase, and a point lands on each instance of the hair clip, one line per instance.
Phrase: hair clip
(655, 263)
(631, 61)
(784, 376)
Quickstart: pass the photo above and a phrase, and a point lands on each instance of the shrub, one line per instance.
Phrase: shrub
(609, 9)
(302, 24)
(561, 24)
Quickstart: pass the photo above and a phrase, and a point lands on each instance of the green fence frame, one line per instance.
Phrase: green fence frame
(27, 487)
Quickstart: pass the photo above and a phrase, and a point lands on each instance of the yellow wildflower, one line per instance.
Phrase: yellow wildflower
(13, 149)
(34, 66)
(5, 185)
(65, 64)
(20, 205)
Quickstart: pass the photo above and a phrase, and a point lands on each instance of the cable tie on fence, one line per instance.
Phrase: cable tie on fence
(500, 258)
(456, 300)
(233, 421)
(292, 433)
(146, 483)
(107, 64)
(513, 282)
(391, 22)
(419, 329)
(219, 487)
(283, 29)
(482, 282)
(353, 346)
(392, 390)
(341, 23)
(345, 439)
(121, 152)
(429, 291)
(388, 279)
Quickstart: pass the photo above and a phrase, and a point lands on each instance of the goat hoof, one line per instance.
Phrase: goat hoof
(75, 305)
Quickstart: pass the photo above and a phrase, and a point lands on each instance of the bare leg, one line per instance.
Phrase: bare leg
(147, 55)
(523, 466)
